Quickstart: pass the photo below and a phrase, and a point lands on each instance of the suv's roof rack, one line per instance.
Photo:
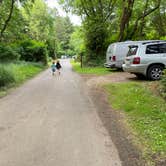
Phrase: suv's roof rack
(154, 41)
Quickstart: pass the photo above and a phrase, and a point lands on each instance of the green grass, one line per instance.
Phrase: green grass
(146, 114)
(19, 72)
(89, 70)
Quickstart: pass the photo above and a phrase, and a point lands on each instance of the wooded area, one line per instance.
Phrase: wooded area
(106, 21)
(30, 30)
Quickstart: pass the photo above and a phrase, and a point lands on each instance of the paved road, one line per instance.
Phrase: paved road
(51, 121)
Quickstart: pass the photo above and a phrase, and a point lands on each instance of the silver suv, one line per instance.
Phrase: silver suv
(147, 59)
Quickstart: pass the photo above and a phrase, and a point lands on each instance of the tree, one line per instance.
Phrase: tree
(133, 18)
(4, 25)
(64, 29)
(9, 11)
(95, 15)
(77, 42)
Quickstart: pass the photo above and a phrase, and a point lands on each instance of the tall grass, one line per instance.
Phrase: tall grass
(6, 75)
(163, 85)
(15, 73)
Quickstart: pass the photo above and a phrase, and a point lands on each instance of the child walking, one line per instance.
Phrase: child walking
(58, 66)
(53, 68)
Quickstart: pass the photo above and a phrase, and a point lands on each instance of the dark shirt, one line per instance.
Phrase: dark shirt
(58, 65)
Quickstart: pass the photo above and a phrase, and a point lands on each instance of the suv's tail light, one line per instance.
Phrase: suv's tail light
(114, 58)
(136, 60)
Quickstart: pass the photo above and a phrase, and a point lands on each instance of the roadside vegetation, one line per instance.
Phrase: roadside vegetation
(105, 22)
(89, 70)
(31, 33)
(146, 114)
(162, 87)
(12, 74)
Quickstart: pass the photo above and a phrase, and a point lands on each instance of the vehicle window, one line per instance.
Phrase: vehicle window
(156, 49)
(132, 50)
(162, 48)
(110, 50)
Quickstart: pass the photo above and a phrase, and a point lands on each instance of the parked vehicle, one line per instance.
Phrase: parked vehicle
(147, 59)
(63, 57)
(116, 53)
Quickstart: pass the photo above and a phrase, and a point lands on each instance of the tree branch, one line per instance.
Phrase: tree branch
(145, 14)
(84, 8)
(8, 19)
(110, 8)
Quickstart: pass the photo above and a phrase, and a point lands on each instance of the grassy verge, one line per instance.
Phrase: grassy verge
(146, 114)
(13, 74)
(89, 70)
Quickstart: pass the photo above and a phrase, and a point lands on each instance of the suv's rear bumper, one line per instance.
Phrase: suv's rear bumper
(135, 68)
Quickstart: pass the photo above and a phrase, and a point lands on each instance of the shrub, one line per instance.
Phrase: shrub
(6, 76)
(8, 53)
(33, 51)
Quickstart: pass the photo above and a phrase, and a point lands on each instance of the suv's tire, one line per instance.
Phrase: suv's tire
(154, 72)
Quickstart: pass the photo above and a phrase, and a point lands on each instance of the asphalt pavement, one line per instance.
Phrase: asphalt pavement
(52, 121)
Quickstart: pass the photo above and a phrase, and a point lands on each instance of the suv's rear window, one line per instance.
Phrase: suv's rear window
(156, 49)
(132, 50)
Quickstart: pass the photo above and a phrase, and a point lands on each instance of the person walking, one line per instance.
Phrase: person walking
(53, 68)
(58, 66)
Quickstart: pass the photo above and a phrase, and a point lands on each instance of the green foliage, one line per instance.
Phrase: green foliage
(95, 39)
(146, 114)
(89, 70)
(6, 75)
(77, 41)
(8, 53)
(15, 73)
(38, 20)
(95, 16)
(64, 29)
(33, 51)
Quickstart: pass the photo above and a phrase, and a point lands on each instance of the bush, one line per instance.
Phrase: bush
(33, 51)
(6, 76)
(18, 72)
(8, 53)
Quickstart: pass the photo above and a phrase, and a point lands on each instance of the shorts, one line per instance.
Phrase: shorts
(53, 70)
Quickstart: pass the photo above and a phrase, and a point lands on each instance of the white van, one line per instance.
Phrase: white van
(116, 54)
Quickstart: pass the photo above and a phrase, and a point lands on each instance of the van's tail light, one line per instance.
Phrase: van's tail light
(114, 58)
(136, 60)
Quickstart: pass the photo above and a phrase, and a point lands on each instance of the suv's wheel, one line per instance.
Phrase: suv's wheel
(154, 72)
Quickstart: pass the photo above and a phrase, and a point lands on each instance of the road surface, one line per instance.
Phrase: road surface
(51, 121)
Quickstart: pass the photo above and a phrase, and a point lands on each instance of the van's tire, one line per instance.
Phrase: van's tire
(154, 72)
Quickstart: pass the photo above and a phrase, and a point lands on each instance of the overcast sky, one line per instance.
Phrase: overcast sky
(74, 19)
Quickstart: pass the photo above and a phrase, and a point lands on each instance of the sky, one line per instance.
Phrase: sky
(74, 19)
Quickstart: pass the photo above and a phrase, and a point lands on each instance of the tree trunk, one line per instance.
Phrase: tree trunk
(8, 19)
(126, 15)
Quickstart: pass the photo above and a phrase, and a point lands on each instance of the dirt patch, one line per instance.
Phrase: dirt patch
(114, 120)
(93, 80)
